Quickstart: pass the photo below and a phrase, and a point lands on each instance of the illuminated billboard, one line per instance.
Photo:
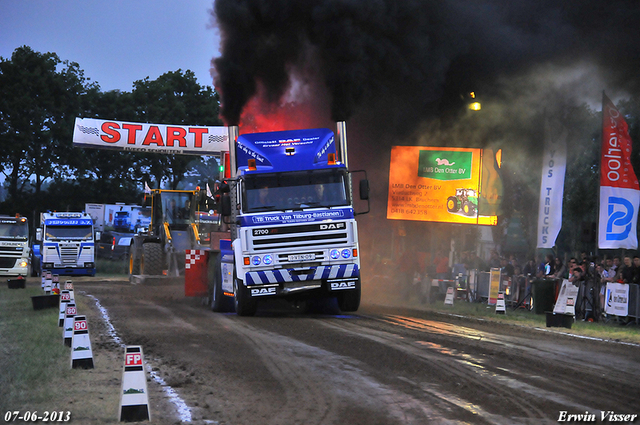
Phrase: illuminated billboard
(448, 185)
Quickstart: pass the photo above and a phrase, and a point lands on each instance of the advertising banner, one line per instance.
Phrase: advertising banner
(619, 190)
(155, 138)
(554, 165)
(436, 184)
(616, 299)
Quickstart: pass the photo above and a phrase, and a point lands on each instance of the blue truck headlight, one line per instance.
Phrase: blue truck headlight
(334, 254)
(267, 259)
(255, 260)
(346, 253)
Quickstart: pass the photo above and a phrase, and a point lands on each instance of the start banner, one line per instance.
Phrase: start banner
(154, 138)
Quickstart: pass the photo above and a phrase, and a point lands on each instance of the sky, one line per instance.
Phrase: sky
(115, 42)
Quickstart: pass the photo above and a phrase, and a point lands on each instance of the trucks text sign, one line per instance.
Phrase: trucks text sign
(144, 137)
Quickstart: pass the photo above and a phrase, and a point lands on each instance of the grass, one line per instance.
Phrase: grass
(112, 268)
(608, 331)
(36, 365)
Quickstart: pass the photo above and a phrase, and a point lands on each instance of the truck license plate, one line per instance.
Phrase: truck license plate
(302, 257)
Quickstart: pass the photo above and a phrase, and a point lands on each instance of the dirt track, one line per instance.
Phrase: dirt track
(379, 366)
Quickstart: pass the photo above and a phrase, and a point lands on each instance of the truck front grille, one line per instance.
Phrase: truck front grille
(299, 236)
(68, 255)
(7, 263)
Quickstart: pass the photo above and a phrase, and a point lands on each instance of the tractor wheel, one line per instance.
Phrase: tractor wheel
(151, 263)
(349, 299)
(452, 204)
(134, 259)
(468, 209)
(245, 305)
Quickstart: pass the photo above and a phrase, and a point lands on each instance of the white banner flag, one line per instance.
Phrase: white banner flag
(154, 138)
(554, 165)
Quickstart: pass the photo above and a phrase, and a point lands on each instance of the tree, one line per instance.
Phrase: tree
(38, 102)
(174, 98)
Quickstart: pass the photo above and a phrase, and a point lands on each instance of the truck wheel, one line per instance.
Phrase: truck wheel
(134, 259)
(452, 204)
(245, 306)
(151, 263)
(349, 300)
(219, 303)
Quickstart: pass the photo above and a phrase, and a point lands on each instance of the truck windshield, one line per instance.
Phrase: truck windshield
(69, 232)
(12, 229)
(295, 190)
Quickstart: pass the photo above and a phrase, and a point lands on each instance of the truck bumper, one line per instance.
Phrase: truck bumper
(15, 271)
(286, 282)
(68, 271)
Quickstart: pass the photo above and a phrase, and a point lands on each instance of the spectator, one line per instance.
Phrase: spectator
(506, 268)
(560, 269)
(442, 265)
(549, 266)
(494, 260)
(636, 269)
(626, 271)
(577, 276)
(529, 269)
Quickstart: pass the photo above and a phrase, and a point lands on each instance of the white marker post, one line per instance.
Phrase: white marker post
(500, 305)
(55, 284)
(65, 298)
(448, 299)
(48, 282)
(67, 329)
(43, 278)
(68, 285)
(134, 402)
(81, 353)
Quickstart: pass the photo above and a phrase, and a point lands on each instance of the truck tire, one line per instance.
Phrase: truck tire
(134, 258)
(452, 204)
(349, 300)
(244, 304)
(219, 303)
(151, 263)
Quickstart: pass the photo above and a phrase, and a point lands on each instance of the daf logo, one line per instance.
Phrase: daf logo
(332, 226)
(342, 285)
(257, 292)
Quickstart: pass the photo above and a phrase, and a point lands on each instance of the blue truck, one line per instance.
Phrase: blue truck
(293, 232)
(66, 243)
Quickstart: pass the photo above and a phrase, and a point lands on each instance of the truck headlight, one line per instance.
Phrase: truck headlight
(88, 265)
(346, 253)
(255, 260)
(267, 259)
(334, 254)
(24, 263)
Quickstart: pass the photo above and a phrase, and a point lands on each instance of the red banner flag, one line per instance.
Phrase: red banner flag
(619, 189)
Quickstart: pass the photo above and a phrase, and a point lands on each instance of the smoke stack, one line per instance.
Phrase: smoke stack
(342, 142)
(234, 130)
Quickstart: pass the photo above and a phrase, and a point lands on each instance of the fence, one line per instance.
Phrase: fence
(518, 293)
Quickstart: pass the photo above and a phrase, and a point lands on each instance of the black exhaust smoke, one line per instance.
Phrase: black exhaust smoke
(406, 55)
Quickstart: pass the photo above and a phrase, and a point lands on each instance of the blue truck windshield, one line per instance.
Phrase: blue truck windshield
(295, 190)
(69, 232)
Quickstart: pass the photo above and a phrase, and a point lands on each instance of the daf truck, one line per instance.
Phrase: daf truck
(293, 234)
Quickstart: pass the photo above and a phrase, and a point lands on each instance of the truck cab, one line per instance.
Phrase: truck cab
(15, 254)
(67, 243)
(293, 228)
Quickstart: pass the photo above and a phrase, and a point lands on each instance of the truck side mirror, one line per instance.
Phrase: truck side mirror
(364, 189)
(225, 205)
(39, 234)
